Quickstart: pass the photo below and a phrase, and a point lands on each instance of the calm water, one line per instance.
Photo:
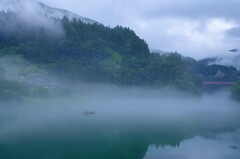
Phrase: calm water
(130, 127)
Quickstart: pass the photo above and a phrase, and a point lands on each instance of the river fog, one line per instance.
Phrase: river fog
(122, 123)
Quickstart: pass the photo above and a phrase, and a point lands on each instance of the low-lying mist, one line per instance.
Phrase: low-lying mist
(113, 105)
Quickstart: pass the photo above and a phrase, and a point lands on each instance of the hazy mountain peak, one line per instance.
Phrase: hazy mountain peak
(60, 13)
(37, 9)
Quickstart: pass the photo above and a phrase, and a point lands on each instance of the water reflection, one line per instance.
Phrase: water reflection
(223, 146)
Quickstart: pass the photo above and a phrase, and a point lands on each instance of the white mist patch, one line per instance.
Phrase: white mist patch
(31, 13)
(230, 59)
(13, 67)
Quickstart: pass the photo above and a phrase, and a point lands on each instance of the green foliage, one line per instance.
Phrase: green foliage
(33, 69)
(226, 73)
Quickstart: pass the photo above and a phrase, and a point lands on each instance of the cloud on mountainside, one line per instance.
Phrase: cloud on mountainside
(31, 13)
(196, 28)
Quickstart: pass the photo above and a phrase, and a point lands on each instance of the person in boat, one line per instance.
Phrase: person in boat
(88, 112)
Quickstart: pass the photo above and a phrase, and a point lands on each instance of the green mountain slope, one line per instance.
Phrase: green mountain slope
(93, 52)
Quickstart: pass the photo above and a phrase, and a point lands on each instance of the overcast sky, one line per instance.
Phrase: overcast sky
(196, 28)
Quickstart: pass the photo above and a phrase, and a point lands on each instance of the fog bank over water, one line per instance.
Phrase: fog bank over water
(127, 121)
(119, 105)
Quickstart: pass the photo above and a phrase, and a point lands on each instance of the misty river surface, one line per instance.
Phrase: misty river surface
(128, 125)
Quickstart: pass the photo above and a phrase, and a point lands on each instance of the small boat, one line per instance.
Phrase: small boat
(88, 112)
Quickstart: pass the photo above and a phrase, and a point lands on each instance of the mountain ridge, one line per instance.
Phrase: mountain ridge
(38, 9)
(60, 13)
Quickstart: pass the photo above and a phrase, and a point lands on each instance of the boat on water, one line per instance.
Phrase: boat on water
(88, 112)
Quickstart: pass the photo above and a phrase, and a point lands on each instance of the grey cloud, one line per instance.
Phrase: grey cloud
(151, 20)
(229, 60)
(152, 8)
(197, 8)
(113, 13)
(235, 32)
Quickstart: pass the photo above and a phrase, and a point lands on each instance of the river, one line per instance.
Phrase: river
(124, 126)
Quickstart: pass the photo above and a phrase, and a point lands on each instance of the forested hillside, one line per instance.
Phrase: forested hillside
(93, 52)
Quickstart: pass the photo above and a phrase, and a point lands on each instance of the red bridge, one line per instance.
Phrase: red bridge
(219, 83)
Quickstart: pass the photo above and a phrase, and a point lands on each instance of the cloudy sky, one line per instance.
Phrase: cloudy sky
(196, 28)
